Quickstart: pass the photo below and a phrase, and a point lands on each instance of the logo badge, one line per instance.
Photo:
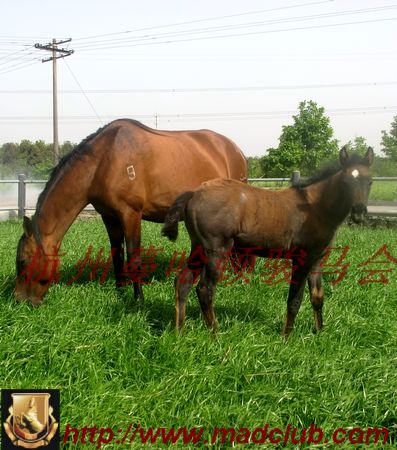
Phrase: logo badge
(30, 418)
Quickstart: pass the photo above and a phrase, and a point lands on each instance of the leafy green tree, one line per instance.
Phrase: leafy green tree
(254, 167)
(389, 141)
(8, 159)
(359, 145)
(9, 154)
(303, 145)
(382, 167)
(66, 148)
(35, 159)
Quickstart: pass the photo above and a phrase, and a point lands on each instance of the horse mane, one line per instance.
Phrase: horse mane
(78, 152)
(66, 161)
(329, 170)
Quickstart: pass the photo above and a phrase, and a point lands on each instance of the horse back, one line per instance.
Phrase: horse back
(149, 168)
(251, 217)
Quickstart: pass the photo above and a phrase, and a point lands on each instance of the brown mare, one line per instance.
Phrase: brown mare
(299, 222)
(128, 172)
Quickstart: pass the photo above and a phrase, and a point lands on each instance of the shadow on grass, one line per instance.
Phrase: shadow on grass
(160, 313)
(82, 273)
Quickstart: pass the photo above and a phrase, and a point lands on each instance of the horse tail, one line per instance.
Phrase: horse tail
(174, 215)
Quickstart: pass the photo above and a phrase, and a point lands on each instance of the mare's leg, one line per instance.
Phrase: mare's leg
(295, 294)
(207, 285)
(116, 238)
(183, 284)
(315, 281)
(132, 232)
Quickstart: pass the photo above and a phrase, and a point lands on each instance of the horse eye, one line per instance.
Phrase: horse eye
(43, 282)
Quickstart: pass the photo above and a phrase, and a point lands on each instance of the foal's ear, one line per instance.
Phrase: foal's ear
(369, 156)
(27, 226)
(343, 155)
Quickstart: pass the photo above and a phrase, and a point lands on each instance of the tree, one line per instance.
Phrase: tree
(35, 159)
(9, 154)
(382, 166)
(389, 141)
(303, 145)
(254, 167)
(66, 148)
(359, 145)
(8, 159)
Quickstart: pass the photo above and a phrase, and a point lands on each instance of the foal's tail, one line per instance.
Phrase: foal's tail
(174, 215)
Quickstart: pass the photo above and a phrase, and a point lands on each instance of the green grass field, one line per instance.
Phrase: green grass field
(118, 363)
(384, 190)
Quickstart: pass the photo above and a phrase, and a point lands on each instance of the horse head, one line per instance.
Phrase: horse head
(35, 269)
(357, 181)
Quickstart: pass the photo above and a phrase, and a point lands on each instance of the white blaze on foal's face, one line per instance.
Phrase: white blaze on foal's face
(355, 173)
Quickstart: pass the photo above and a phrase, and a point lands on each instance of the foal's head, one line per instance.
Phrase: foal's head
(357, 181)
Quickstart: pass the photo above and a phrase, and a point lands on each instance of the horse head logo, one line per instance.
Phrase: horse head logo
(30, 423)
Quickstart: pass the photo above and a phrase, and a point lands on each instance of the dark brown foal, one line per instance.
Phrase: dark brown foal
(299, 222)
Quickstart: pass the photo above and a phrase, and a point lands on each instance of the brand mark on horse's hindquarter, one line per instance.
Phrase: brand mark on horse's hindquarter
(355, 173)
(131, 172)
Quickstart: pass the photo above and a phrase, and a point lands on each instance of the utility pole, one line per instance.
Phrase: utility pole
(57, 53)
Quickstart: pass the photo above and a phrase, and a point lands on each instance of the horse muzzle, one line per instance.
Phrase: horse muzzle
(22, 296)
(358, 213)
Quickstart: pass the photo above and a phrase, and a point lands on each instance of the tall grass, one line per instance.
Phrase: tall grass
(117, 363)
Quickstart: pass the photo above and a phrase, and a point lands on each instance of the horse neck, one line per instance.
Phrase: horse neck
(331, 200)
(66, 197)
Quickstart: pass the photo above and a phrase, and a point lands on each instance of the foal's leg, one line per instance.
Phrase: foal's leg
(132, 232)
(183, 284)
(207, 285)
(116, 238)
(295, 295)
(315, 281)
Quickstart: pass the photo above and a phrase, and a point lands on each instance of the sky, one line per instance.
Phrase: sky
(239, 68)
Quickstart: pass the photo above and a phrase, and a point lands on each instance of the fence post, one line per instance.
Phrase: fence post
(21, 195)
(296, 176)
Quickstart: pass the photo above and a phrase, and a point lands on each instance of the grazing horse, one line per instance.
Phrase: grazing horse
(128, 172)
(297, 223)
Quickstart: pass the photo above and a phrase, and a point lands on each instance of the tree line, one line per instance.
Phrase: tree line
(309, 143)
(35, 159)
(305, 145)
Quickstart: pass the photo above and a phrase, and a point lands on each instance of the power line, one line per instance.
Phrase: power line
(210, 115)
(311, 27)
(82, 91)
(12, 60)
(12, 55)
(16, 58)
(176, 36)
(18, 66)
(189, 22)
(203, 89)
(121, 42)
(24, 37)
